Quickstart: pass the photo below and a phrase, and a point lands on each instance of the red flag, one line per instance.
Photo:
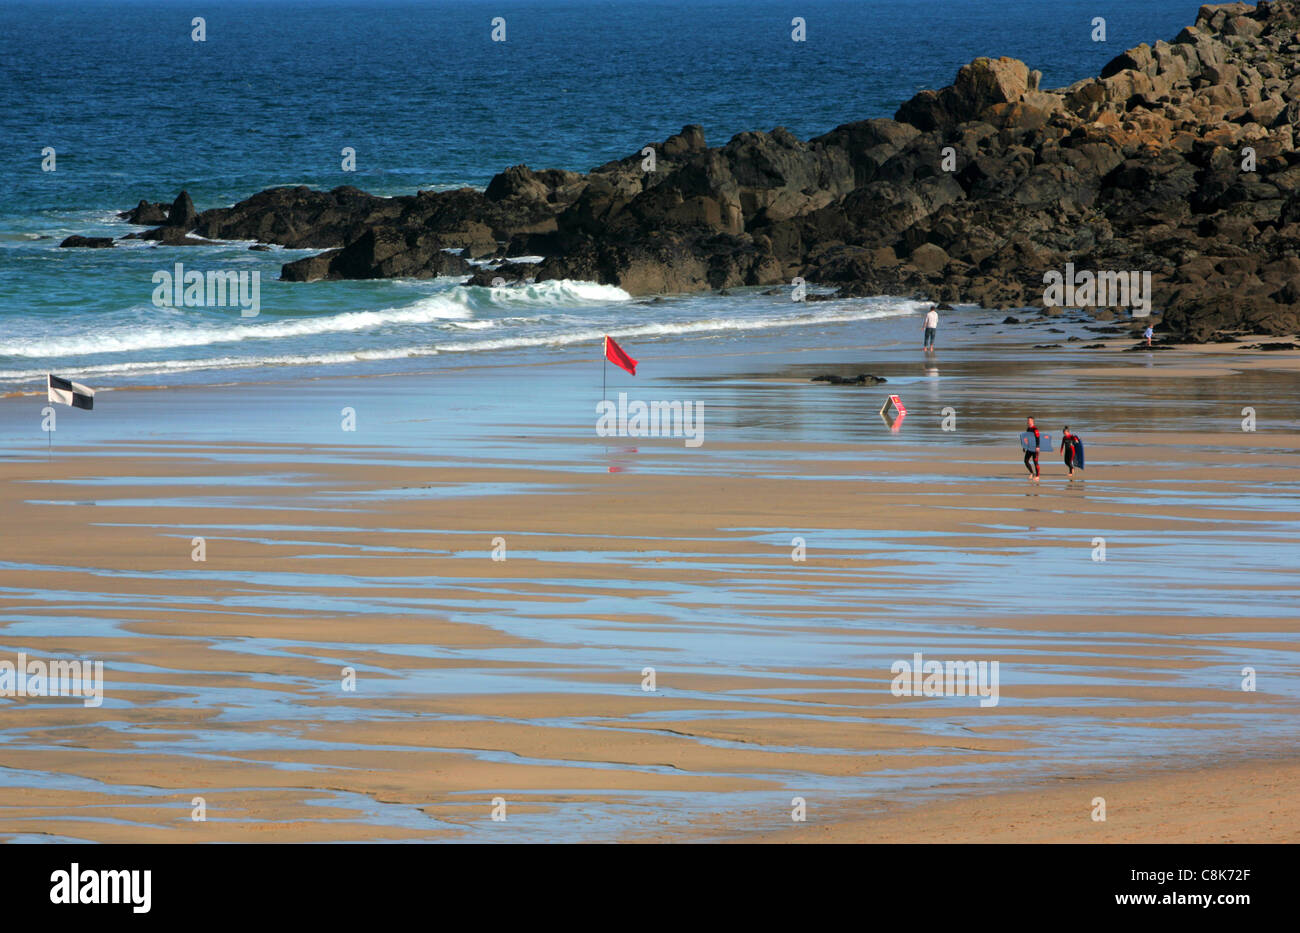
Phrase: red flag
(614, 353)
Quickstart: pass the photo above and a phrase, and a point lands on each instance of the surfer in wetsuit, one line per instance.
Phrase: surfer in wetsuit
(1070, 449)
(1031, 453)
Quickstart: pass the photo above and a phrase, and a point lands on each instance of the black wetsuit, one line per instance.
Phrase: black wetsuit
(1070, 449)
(1032, 454)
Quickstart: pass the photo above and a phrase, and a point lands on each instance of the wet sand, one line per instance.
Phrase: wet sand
(521, 679)
(1253, 803)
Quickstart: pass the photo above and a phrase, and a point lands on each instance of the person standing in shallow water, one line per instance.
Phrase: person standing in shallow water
(1032, 452)
(931, 324)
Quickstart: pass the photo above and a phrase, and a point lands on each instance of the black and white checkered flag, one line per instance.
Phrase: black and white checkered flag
(67, 392)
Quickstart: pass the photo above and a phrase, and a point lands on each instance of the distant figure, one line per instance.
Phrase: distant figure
(1149, 333)
(1071, 450)
(1031, 453)
(931, 322)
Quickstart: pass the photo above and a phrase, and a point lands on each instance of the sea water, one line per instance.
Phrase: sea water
(132, 107)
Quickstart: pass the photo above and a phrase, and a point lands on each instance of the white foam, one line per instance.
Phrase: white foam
(552, 293)
(451, 310)
(434, 308)
(147, 367)
(457, 303)
(832, 312)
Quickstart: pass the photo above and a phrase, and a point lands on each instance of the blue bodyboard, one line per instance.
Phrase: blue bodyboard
(1044, 441)
(1078, 449)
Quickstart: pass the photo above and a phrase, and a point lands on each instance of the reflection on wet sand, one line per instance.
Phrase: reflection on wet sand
(769, 579)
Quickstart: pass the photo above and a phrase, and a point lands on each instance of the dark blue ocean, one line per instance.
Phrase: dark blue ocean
(133, 108)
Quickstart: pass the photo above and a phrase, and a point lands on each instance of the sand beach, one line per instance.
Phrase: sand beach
(471, 605)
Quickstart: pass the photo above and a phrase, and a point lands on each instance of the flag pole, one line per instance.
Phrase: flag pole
(604, 359)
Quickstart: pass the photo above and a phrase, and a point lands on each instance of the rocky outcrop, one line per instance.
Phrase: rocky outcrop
(978, 87)
(87, 242)
(170, 236)
(182, 213)
(300, 218)
(381, 253)
(146, 214)
(1179, 159)
(506, 273)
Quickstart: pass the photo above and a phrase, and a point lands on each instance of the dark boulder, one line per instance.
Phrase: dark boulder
(87, 242)
(507, 273)
(381, 253)
(146, 214)
(862, 379)
(170, 236)
(300, 218)
(182, 213)
(310, 268)
(977, 87)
